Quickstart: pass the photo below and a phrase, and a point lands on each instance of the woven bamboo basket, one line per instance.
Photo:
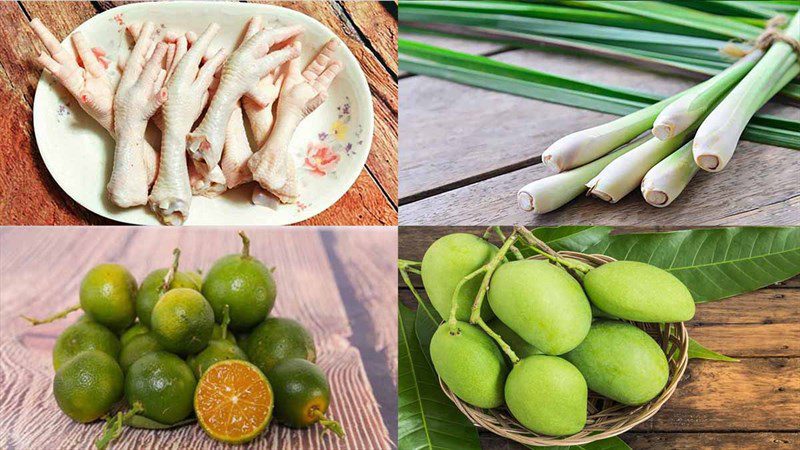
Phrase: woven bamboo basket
(605, 417)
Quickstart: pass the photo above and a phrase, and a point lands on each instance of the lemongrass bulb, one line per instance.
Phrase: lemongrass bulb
(666, 180)
(719, 134)
(585, 146)
(624, 174)
(550, 193)
(685, 111)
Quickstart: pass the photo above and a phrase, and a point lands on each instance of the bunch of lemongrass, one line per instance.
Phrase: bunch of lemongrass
(665, 164)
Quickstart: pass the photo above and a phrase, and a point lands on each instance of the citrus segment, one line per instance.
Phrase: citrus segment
(233, 401)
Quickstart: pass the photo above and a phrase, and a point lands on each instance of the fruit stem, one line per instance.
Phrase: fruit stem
(503, 346)
(54, 317)
(489, 268)
(245, 245)
(543, 249)
(113, 427)
(451, 321)
(226, 319)
(176, 256)
(328, 424)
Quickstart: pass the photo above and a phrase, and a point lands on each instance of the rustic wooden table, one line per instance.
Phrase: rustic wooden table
(30, 196)
(465, 152)
(339, 283)
(751, 404)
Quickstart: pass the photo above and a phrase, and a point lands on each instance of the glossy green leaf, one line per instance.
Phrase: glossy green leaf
(427, 419)
(574, 238)
(487, 73)
(138, 421)
(714, 263)
(426, 321)
(697, 351)
(612, 443)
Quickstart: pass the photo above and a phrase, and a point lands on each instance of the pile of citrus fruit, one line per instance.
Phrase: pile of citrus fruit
(181, 348)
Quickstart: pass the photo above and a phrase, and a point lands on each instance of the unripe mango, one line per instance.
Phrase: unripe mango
(446, 262)
(547, 395)
(621, 362)
(520, 347)
(470, 364)
(640, 292)
(542, 303)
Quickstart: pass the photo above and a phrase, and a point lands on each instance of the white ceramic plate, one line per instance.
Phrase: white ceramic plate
(78, 152)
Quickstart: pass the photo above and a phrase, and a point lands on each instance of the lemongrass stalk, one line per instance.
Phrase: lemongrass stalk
(685, 111)
(666, 180)
(550, 193)
(626, 173)
(719, 134)
(587, 145)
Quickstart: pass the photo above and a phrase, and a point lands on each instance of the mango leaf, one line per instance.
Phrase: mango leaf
(716, 263)
(426, 321)
(574, 238)
(612, 443)
(697, 351)
(427, 419)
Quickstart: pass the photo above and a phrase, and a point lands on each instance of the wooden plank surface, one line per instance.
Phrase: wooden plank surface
(465, 152)
(41, 268)
(752, 404)
(29, 195)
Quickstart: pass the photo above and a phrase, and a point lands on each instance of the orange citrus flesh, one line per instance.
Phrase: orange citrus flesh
(233, 401)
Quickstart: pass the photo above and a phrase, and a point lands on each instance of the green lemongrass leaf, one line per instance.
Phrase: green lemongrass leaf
(138, 421)
(612, 443)
(678, 15)
(556, 12)
(716, 263)
(427, 419)
(483, 72)
(730, 8)
(697, 351)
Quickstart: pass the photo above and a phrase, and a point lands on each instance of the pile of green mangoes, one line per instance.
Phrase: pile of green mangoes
(149, 344)
(567, 334)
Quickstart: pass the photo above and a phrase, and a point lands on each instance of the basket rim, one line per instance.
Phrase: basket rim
(674, 341)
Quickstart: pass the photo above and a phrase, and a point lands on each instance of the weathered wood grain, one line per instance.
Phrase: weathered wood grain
(371, 201)
(710, 199)
(464, 151)
(712, 441)
(375, 24)
(41, 268)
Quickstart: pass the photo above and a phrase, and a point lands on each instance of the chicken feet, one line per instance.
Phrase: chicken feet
(273, 166)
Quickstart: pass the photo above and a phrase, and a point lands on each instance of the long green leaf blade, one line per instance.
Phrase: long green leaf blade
(716, 263)
(697, 351)
(427, 419)
(487, 73)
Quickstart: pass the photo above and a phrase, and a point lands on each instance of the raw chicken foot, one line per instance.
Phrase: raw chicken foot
(273, 166)
(139, 94)
(187, 91)
(240, 74)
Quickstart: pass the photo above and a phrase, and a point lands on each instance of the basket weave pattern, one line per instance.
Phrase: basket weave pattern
(605, 417)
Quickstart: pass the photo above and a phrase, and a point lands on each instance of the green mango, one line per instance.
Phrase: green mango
(542, 303)
(640, 292)
(547, 395)
(621, 362)
(470, 364)
(517, 344)
(446, 262)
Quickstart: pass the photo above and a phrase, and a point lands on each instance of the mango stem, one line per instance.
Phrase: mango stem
(328, 424)
(170, 276)
(503, 346)
(54, 317)
(113, 427)
(489, 269)
(245, 245)
(543, 249)
(451, 321)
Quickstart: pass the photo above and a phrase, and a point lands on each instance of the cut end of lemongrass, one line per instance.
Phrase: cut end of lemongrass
(663, 131)
(601, 195)
(525, 201)
(709, 163)
(550, 163)
(656, 198)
